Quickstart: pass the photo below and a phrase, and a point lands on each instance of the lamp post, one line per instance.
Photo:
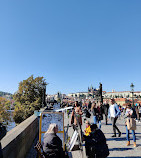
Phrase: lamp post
(43, 92)
(132, 91)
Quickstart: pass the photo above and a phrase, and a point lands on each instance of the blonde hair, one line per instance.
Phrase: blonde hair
(51, 128)
(93, 105)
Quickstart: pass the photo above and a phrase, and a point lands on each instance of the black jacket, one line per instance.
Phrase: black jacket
(95, 111)
(97, 145)
(106, 107)
(52, 147)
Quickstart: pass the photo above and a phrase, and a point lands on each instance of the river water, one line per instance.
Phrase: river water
(11, 123)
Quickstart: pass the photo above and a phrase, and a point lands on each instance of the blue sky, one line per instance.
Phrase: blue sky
(72, 43)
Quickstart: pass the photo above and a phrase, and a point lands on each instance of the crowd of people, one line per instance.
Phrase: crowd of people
(95, 141)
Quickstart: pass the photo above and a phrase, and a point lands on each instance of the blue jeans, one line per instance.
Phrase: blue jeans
(96, 121)
(128, 135)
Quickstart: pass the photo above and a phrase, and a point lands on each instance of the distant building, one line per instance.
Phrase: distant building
(122, 94)
(78, 94)
(119, 101)
(92, 93)
(55, 97)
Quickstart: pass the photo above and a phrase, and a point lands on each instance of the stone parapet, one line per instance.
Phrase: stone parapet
(18, 141)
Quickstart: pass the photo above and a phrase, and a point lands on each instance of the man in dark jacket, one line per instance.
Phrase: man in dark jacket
(97, 143)
(89, 105)
(106, 107)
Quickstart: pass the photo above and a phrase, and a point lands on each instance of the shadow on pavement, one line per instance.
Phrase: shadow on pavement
(121, 134)
(126, 157)
(122, 139)
(109, 124)
(116, 139)
(120, 149)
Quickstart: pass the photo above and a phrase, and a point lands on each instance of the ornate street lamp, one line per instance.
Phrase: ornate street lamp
(132, 91)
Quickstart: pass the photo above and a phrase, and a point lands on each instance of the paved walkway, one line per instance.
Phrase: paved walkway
(117, 146)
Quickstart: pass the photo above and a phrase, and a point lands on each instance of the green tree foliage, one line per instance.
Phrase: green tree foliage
(4, 115)
(28, 97)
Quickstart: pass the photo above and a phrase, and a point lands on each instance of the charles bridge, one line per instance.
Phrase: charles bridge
(20, 141)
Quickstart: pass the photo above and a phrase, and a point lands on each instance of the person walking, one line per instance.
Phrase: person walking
(100, 114)
(89, 105)
(106, 108)
(94, 112)
(137, 112)
(130, 116)
(113, 113)
(97, 114)
(139, 107)
(76, 116)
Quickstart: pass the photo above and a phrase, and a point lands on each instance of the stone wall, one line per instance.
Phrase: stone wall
(18, 141)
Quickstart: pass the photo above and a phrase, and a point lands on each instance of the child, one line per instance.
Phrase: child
(87, 130)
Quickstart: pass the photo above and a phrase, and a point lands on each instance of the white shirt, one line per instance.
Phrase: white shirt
(129, 111)
(112, 111)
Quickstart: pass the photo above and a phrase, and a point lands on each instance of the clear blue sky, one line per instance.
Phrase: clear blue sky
(72, 43)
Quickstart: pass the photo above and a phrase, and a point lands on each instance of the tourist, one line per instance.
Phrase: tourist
(89, 105)
(96, 143)
(100, 114)
(76, 118)
(106, 107)
(137, 112)
(86, 113)
(114, 112)
(84, 109)
(139, 107)
(52, 145)
(94, 112)
(130, 114)
(97, 114)
(87, 132)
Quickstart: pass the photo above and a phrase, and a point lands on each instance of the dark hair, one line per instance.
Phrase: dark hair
(129, 105)
(93, 126)
(112, 99)
(55, 101)
(77, 104)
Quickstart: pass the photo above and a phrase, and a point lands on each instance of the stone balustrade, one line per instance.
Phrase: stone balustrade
(18, 141)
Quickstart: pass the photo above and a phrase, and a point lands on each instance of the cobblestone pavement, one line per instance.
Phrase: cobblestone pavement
(117, 146)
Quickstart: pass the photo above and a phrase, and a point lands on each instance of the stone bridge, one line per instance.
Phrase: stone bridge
(20, 141)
